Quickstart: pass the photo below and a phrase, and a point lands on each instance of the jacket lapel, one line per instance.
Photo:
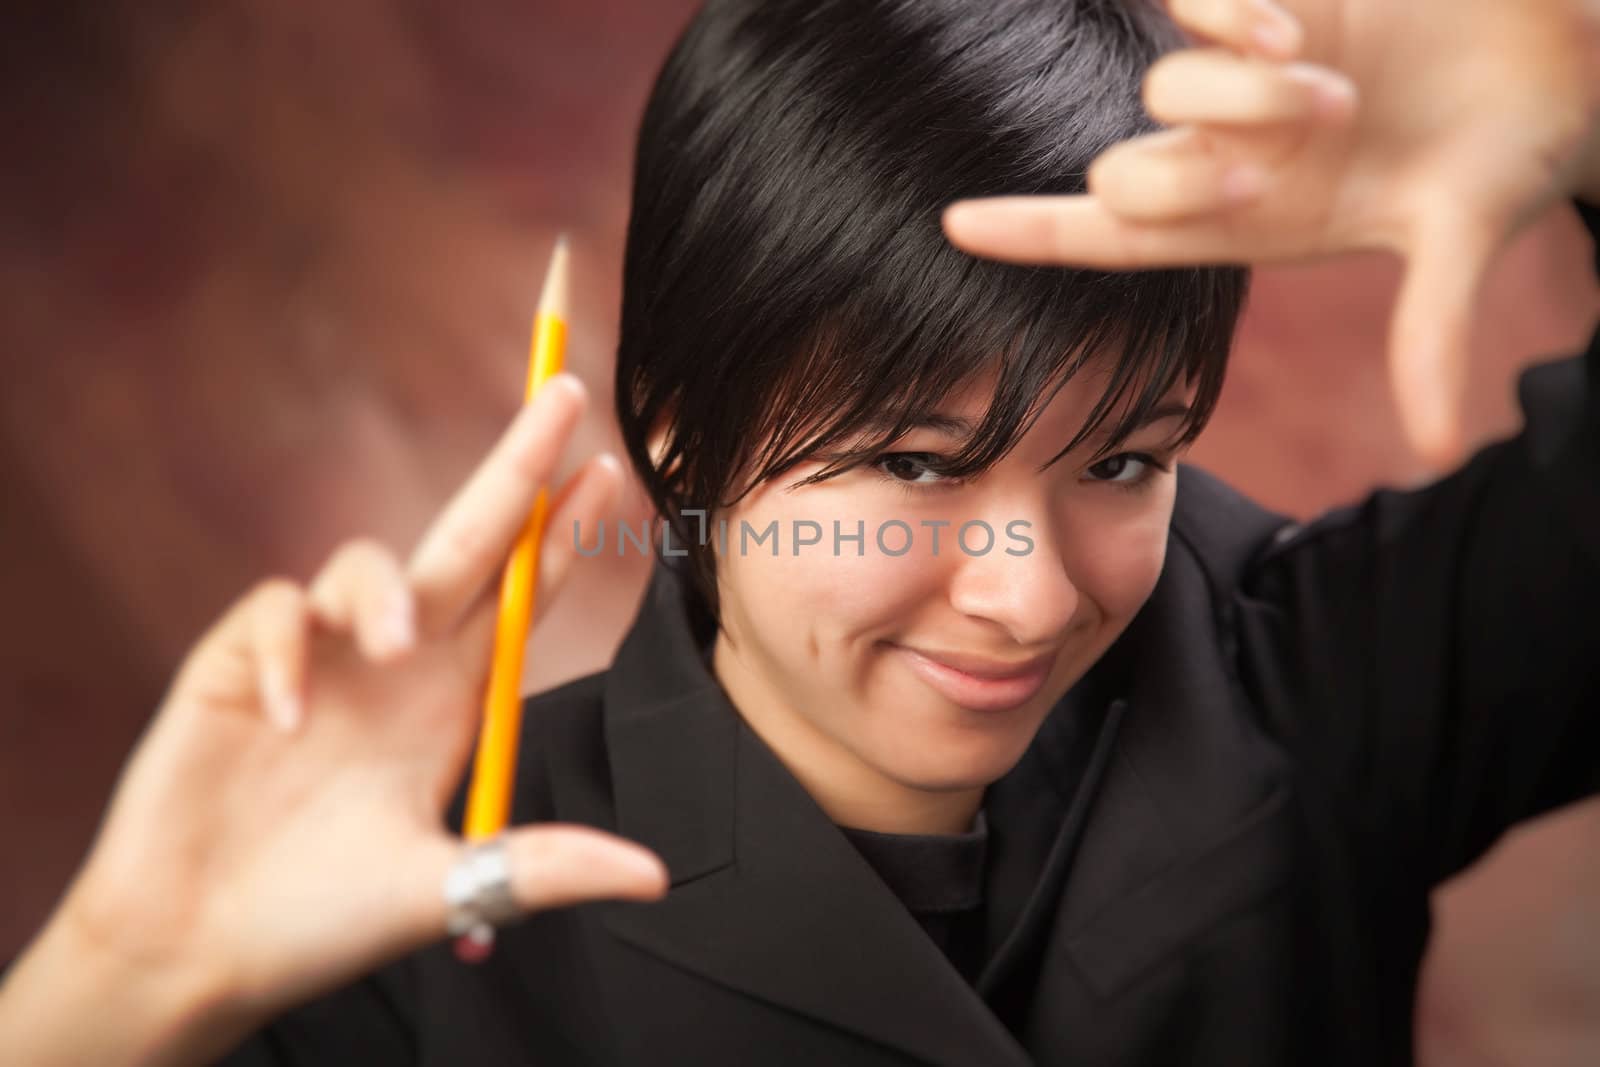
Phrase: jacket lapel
(1038, 814)
(1187, 828)
(768, 898)
(1187, 778)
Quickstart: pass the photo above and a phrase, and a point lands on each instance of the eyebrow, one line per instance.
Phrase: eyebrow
(960, 426)
(1161, 412)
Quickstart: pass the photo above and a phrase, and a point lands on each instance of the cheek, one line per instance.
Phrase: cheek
(865, 590)
(1117, 555)
(835, 593)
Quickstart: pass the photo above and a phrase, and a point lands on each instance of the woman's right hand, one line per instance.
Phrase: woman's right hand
(279, 830)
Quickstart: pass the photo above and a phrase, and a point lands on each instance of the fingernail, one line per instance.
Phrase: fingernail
(1335, 94)
(1336, 97)
(1276, 31)
(1274, 40)
(566, 380)
(399, 623)
(283, 704)
(1243, 183)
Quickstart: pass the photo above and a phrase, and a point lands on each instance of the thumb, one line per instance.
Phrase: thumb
(554, 865)
(1430, 336)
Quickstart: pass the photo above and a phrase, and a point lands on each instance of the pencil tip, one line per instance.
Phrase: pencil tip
(557, 294)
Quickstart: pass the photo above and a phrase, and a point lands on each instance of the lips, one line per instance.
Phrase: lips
(976, 682)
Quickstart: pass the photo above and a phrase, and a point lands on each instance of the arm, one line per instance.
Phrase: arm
(140, 1017)
(156, 1017)
(1434, 654)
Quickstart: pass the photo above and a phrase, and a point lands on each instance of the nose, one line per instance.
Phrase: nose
(1027, 591)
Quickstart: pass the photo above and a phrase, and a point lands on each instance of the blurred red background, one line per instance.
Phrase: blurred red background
(265, 285)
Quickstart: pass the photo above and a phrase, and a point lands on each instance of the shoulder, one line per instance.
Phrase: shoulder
(1221, 532)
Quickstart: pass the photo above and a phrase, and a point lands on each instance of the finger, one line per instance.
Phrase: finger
(473, 641)
(1216, 87)
(468, 543)
(1083, 231)
(574, 519)
(279, 618)
(578, 506)
(1243, 25)
(1430, 334)
(1172, 175)
(550, 865)
(556, 865)
(363, 589)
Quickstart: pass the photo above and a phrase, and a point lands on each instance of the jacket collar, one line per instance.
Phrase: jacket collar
(1171, 797)
(1193, 784)
(768, 897)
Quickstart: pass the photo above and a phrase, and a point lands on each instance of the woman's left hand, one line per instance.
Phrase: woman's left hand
(1472, 117)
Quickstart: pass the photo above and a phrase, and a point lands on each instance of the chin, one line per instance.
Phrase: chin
(947, 767)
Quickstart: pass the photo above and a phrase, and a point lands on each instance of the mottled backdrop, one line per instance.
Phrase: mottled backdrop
(265, 277)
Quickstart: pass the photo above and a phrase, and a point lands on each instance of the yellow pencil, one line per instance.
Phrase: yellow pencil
(495, 766)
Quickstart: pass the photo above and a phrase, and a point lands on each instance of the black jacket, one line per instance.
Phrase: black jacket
(1218, 851)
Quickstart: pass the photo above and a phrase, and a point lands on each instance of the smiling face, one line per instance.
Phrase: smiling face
(897, 682)
(784, 301)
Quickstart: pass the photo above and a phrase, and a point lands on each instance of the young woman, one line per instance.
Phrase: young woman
(965, 730)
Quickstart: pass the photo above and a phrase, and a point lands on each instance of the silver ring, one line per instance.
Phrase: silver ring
(477, 890)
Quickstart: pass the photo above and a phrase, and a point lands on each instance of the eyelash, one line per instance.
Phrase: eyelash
(1152, 467)
(930, 462)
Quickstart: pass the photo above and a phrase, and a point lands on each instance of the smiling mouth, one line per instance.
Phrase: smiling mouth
(979, 683)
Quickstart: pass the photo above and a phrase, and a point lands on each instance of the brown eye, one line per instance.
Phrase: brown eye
(910, 467)
(1125, 468)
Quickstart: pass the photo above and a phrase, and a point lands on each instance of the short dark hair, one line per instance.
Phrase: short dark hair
(787, 284)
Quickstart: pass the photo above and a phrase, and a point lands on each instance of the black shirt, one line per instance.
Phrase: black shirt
(939, 878)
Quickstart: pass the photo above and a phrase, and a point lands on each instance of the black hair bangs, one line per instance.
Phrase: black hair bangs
(787, 287)
(891, 359)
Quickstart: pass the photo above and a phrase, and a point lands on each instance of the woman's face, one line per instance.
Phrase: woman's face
(897, 673)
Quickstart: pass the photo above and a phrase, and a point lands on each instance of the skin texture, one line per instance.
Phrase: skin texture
(813, 650)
